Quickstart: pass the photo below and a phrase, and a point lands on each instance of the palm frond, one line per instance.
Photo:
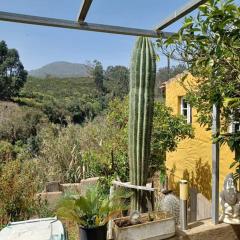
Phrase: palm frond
(232, 102)
(84, 204)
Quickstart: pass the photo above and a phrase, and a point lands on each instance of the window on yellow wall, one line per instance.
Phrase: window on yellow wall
(234, 126)
(185, 109)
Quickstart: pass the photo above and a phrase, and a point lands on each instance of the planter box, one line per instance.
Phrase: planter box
(154, 230)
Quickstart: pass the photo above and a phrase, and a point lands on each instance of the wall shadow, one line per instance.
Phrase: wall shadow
(236, 230)
(199, 178)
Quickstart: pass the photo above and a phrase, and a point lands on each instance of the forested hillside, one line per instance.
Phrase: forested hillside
(63, 100)
(60, 87)
(75, 100)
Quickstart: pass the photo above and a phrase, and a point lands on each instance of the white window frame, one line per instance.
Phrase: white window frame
(188, 108)
(234, 127)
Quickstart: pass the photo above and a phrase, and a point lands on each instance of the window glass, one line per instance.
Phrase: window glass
(186, 110)
(237, 127)
(235, 123)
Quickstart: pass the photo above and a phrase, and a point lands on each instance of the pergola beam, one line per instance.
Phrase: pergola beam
(180, 13)
(84, 10)
(60, 23)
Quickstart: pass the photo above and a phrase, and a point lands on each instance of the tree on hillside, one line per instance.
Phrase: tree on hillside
(98, 74)
(164, 74)
(12, 73)
(117, 80)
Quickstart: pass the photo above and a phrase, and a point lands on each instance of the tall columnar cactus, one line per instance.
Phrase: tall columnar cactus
(141, 102)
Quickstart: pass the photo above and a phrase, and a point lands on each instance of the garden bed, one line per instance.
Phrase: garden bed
(154, 226)
(125, 222)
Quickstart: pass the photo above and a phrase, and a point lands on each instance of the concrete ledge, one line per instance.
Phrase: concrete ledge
(54, 190)
(52, 187)
(88, 182)
(75, 187)
(205, 230)
(52, 198)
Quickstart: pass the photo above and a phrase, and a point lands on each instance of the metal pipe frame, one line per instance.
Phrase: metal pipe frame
(180, 13)
(84, 10)
(61, 23)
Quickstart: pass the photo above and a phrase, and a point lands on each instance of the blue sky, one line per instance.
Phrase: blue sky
(41, 45)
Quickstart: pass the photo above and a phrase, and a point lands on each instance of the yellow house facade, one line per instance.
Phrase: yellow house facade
(193, 158)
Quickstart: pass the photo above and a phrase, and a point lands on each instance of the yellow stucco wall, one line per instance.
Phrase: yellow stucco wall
(193, 157)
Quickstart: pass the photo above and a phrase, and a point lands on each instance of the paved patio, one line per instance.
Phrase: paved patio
(205, 230)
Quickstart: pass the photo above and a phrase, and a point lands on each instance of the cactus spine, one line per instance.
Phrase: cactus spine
(141, 102)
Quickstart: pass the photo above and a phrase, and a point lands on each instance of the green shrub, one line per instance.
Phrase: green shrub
(18, 186)
(6, 152)
(60, 153)
(19, 123)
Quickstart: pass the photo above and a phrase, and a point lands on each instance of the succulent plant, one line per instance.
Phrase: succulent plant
(170, 203)
(141, 102)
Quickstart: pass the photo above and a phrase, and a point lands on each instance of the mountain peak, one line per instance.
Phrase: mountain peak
(62, 69)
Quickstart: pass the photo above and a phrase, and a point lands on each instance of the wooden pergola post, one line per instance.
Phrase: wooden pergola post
(215, 165)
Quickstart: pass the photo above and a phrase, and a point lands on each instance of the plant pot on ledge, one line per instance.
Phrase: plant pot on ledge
(98, 233)
(162, 226)
(91, 212)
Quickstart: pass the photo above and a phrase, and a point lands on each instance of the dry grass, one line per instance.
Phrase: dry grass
(72, 230)
(7, 109)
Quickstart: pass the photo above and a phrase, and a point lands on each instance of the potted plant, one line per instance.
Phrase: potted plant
(91, 212)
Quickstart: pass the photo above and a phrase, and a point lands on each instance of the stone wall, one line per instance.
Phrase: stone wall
(55, 190)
